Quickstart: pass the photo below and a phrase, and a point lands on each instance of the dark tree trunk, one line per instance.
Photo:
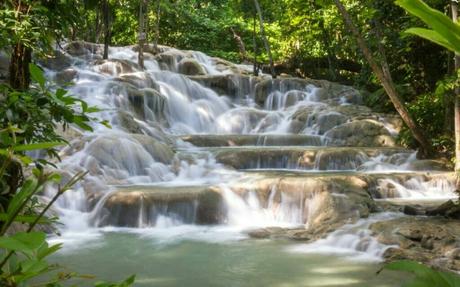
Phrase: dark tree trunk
(240, 44)
(157, 26)
(264, 37)
(106, 15)
(19, 76)
(256, 68)
(141, 36)
(384, 76)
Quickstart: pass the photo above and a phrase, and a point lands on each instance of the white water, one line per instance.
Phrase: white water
(161, 103)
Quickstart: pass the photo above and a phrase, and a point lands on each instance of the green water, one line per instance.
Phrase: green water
(246, 262)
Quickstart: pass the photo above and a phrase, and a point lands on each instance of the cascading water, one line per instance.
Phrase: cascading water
(188, 154)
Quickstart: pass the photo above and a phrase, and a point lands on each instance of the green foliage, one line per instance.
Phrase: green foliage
(32, 116)
(443, 30)
(28, 124)
(424, 276)
(35, 23)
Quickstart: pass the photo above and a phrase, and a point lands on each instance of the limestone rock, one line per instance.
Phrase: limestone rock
(429, 240)
(66, 76)
(191, 67)
(82, 49)
(116, 67)
(58, 61)
(362, 133)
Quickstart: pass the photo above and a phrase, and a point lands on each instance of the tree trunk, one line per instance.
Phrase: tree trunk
(97, 28)
(19, 76)
(21, 56)
(387, 82)
(241, 46)
(105, 8)
(454, 7)
(264, 37)
(141, 35)
(254, 42)
(157, 27)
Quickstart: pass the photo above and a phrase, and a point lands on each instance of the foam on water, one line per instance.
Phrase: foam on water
(353, 241)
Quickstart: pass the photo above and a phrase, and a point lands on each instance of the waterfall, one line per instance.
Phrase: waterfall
(195, 139)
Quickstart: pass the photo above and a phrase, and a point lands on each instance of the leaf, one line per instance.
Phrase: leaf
(20, 198)
(430, 35)
(35, 146)
(23, 241)
(440, 23)
(24, 218)
(46, 250)
(37, 74)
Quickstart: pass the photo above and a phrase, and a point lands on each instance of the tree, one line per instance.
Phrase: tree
(264, 37)
(157, 26)
(107, 30)
(143, 11)
(446, 33)
(384, 76)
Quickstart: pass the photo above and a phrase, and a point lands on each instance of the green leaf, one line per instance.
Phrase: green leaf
(24, 218)
(19, 199)
(432, 36)
(37, 74)
(440, 23)
(23, 242)
(46, 250)
(36, 146)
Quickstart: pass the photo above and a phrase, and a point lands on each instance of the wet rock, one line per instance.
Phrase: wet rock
(127, 122)
(326, 90)
(133, 155)
(81, 49)
(66, 76)
(58, 61)
(429, 240)
(191, 67)
(362, 133)
(116, 67)
(221, 84)
(139, 80)
(449, 209)
(242, 140)
(328, 121)
(168, 60)
(412, 210)
(145, 206)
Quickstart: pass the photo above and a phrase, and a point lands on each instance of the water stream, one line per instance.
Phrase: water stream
(192, 162)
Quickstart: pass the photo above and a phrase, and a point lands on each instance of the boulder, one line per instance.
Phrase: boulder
(66, 76)
(132, 155)
(84, 49)
(364, 133)
(58, 61)
(190, 67)
(229, 85)
(449, 209)
(115, 67)
(144, 206)
(138, 80)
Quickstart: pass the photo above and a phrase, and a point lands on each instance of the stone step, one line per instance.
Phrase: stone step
(214, 140)
(134, 206)
(317, 197)
(309, 158)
